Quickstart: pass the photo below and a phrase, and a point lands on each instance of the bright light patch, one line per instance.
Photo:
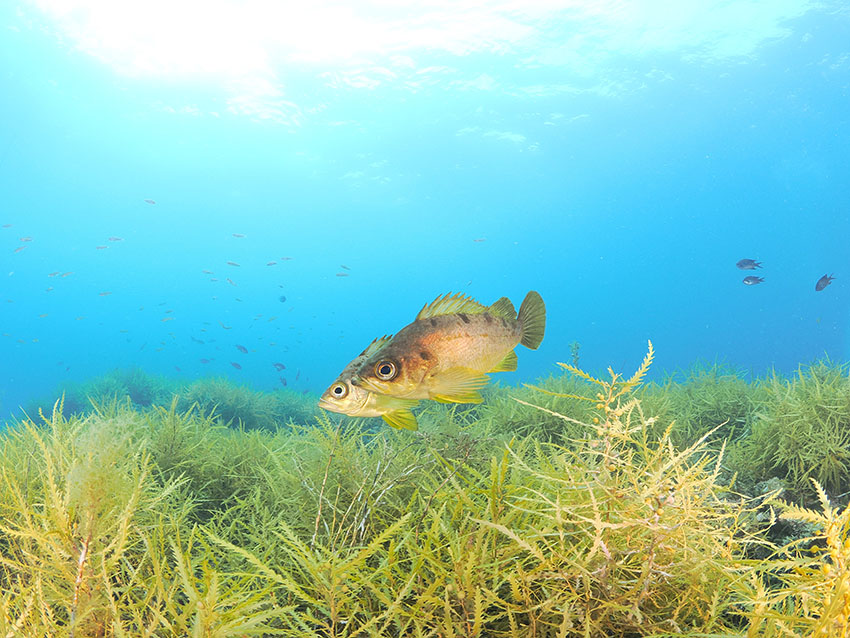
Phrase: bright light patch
(253, 44)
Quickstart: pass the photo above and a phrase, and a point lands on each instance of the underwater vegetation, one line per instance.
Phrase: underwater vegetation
(165, 521)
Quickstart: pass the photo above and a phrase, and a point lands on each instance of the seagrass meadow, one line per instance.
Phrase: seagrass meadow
(705, 504)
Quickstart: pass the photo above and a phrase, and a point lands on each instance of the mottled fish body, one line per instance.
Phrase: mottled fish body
(446, 353)
(752, 280)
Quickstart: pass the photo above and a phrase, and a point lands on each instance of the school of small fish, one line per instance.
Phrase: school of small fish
(752, 280)
(444, 355)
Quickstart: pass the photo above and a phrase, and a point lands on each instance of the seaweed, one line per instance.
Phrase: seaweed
(575, 507)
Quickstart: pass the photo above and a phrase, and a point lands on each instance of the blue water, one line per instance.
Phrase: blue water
(617, 158)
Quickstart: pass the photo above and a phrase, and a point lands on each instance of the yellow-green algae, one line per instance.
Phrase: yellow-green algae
(583, 507)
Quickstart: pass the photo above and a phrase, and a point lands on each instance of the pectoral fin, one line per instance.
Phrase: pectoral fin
(401, 420)
(458, 385)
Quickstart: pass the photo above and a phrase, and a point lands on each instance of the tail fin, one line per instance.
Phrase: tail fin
(532, 320)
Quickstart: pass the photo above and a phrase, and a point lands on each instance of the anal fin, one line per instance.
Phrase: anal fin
(507, 364)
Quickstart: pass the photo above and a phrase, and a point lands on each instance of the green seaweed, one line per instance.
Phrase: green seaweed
(583, 506)
(802, 431)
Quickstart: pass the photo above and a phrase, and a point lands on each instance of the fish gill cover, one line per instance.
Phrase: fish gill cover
(210, 210)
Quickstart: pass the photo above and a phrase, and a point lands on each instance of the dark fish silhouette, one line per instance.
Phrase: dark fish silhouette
(279, 366)
(752, 280)
(823, 282)
(242, 348)
(149, 201)
(282, 381)
(282, 298)
(748, 264)
(235, 365)
(205, 360)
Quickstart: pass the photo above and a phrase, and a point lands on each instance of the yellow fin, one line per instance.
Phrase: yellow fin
(450, 304)
(507, 364)
(458, 385)
(401, 420)
(532, 320)
(503, 308)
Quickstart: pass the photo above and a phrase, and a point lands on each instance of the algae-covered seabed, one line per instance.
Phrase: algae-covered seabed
(704, 505)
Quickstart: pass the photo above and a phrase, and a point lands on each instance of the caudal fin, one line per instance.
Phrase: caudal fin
(532, 320)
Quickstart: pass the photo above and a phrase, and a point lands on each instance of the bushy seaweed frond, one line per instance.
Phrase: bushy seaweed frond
(812, 597)
(802, 431)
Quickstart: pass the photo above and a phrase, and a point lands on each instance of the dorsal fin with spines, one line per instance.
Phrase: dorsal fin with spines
(451, 304)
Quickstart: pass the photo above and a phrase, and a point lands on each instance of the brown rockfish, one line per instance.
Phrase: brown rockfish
(448, 349)
(345, 398)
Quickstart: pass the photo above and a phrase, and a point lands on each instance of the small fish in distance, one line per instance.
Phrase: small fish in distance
(279, 366)
(242, 348)
(748, 264)
(235, 365)
(823, 282)
(115, 238)
(753, 280)
(150, 201)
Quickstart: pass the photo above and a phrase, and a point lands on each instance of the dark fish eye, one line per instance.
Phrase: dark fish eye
(339, 390)
(386, 370)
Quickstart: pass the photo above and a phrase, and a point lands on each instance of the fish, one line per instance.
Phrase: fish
(342, 274)
(205, 360)
(235, 365)
(232, 263)
(343, 397)
(164, 319)
(19, 249)
(7, 225)
(279, 366)
(752, 280)
(115, 238)
(282, 299)
(271, 263)
(26, 238)
(105, 293)
(230, 281)
(282, 381)
(748, 264)
(53, 274)
(207, 272)
(67, 274)
(479, 240)
(242, 348)
(451, 346)
(823, 282)
(149, 201)
(344, 267)
(238, 235)
(100, 247)
(223, 326)
(286, 258)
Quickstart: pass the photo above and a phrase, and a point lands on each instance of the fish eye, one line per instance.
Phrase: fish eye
(339, 390)
(386, 370)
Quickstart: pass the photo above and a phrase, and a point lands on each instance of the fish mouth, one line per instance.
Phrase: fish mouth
(327, 405)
